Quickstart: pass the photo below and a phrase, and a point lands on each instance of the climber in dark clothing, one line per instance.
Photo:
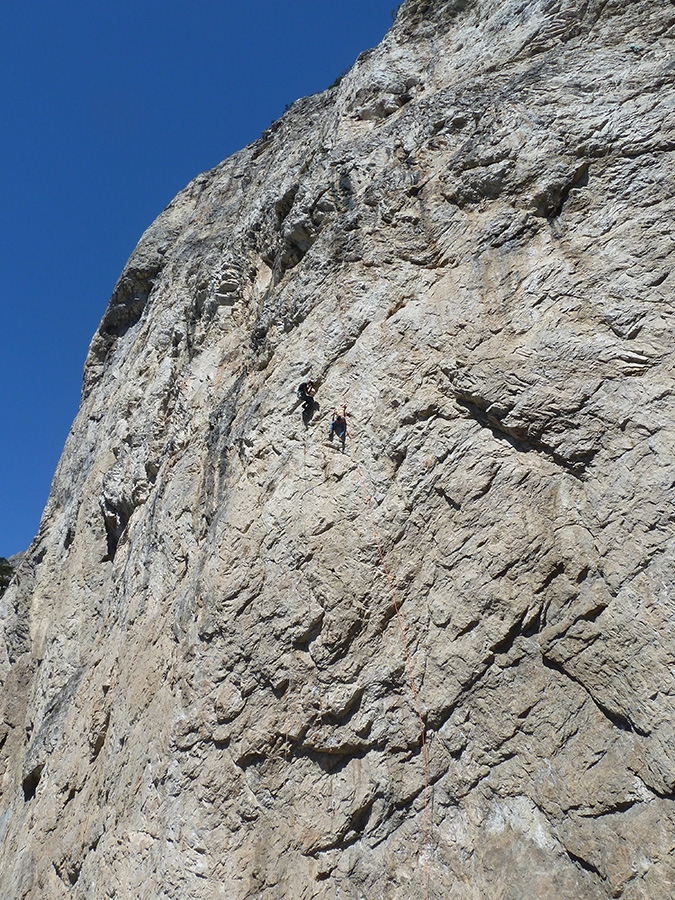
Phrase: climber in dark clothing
(306, 391)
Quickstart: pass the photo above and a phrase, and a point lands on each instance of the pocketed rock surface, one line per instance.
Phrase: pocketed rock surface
(206, 689)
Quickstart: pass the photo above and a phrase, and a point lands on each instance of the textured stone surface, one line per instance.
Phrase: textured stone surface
(204, 683)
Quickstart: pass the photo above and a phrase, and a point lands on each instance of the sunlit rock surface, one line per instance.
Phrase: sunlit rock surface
(205, 693)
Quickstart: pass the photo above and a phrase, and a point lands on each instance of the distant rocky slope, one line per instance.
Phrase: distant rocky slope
(205, 693)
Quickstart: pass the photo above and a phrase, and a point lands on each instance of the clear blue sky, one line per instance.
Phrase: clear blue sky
(108, 109)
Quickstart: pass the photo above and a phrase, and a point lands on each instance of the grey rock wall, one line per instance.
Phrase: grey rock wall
(206, 689)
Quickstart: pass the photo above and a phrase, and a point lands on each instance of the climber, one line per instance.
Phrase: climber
(338, 426)
(306, 391)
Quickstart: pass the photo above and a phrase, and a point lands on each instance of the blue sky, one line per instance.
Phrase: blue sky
(107, 110)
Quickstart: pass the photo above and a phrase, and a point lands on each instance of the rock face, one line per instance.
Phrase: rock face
(206, 689)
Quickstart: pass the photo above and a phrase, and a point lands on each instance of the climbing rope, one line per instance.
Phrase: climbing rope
(342, 315)
(404, 641)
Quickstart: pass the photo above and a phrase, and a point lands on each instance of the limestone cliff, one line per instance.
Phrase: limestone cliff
(206, 689)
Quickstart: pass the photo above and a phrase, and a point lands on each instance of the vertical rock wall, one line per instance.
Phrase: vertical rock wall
(206, 691)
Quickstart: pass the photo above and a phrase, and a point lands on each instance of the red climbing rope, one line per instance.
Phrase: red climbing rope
(404, 640)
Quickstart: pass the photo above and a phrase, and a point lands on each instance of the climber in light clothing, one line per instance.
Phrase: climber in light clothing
(338, 425)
